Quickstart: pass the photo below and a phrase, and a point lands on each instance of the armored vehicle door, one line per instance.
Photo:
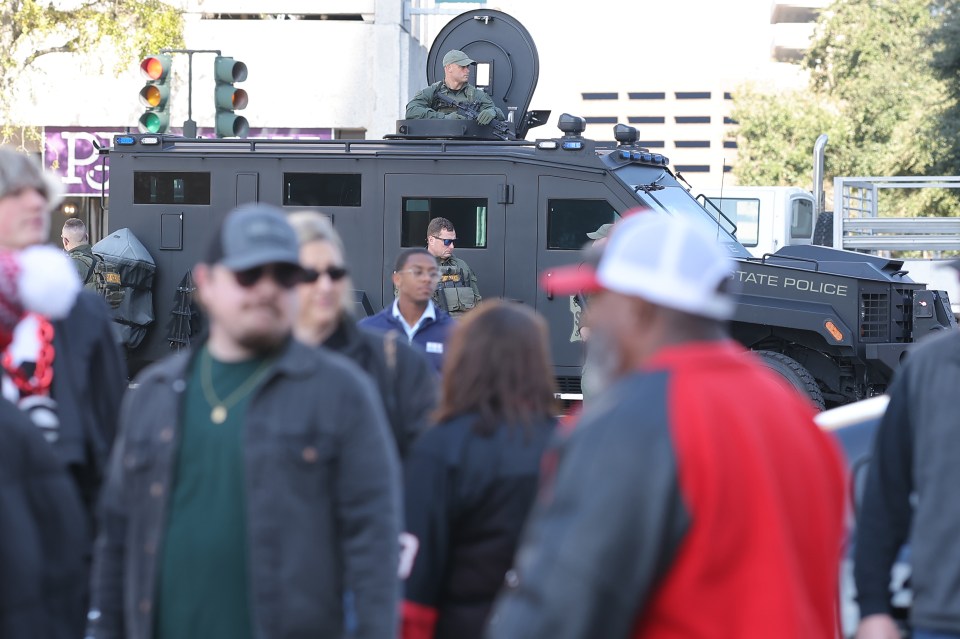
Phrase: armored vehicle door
(507, 66)
(476, 205)
(568, 209)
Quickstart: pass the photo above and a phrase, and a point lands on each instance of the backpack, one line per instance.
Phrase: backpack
(105, 278)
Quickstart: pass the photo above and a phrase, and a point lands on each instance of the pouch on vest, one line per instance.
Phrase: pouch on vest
(458, 298)
(106, 279)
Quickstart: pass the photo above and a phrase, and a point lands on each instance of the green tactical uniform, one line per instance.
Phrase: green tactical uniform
(83, 260)
(425, 106)
(457, 291)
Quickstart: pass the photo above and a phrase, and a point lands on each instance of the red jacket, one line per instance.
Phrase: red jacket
(695, 499)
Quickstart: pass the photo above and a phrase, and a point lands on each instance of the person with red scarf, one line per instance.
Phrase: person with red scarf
(67, 374)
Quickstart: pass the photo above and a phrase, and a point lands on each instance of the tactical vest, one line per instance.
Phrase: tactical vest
(454, 293)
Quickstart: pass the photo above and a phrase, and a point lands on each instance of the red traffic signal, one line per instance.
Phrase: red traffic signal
(156, 68)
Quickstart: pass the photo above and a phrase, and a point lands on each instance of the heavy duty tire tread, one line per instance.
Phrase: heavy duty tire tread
(823, 230)
(795, 374)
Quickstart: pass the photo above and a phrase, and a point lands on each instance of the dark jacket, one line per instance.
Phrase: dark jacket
(322, 501)
(467, 496)
(910, 492)
(89, 379)
(43, 537)
(695, 498)
(431, 336)
(407, 383)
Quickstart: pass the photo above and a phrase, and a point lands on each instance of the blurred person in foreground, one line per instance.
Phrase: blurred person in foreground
(67, 374)
(254, 480)
(695, 497)
(44, 532)
(910, 497)
(471, 480)
(405, 380)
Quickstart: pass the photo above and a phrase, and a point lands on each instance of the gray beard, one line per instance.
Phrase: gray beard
(601, 366)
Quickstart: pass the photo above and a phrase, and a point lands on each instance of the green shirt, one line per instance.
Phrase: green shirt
(203, 585)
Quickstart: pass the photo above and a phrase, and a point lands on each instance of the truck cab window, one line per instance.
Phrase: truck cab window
(321, 189)
(746, 213)
(569, 221)
(171, 187)
(468, 215)
(801, 219)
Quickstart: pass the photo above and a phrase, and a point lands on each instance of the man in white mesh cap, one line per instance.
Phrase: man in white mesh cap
(695, 497)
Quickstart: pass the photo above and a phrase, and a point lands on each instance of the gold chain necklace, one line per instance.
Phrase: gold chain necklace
(220, 406)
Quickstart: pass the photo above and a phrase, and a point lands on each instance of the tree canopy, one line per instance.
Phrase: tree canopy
(128, 29)
(883, 85)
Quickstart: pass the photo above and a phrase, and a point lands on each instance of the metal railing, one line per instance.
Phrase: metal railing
(857, 224)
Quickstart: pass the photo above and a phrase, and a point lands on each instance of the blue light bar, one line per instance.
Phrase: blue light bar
(624, 155)
(572, 146)
(125, 140)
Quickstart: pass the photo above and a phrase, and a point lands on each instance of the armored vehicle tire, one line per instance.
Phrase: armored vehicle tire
(823, 229)
(795, 374)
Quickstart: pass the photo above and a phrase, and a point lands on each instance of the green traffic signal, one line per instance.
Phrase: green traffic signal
(154, 122)
(228, 98)
(155, 94)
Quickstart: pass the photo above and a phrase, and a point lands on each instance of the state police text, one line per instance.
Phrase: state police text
(800, 284)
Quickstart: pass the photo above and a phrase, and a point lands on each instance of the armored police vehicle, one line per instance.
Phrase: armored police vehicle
(834, 323)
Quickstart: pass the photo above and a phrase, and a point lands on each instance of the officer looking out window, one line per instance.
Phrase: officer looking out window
(457, 291)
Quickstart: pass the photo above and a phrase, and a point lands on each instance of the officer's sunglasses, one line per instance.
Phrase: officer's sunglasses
(335, 273)
(285, 275)
(445, 242)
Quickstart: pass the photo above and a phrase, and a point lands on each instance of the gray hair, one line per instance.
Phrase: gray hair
(312, 226)
(76, 230)
(19, 171)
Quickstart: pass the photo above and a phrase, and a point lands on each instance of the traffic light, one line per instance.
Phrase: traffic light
(155, 94)
(229, 99)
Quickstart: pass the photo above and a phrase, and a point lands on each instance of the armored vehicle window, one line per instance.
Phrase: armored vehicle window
(468, 215)
(801, 220)
(171, 187)
(569, 221)
(321, 189)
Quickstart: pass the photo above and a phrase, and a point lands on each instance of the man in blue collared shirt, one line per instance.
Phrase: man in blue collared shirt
(415, 277)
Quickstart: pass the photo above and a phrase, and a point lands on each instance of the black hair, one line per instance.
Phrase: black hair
(405, 255)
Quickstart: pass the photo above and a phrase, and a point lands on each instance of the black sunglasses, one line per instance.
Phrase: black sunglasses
(335, 273)
(445, 242)
(285, 275)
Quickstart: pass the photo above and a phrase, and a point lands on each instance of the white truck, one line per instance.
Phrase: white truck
(770, 217)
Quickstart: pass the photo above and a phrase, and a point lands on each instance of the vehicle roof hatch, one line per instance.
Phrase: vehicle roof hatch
(508, 66)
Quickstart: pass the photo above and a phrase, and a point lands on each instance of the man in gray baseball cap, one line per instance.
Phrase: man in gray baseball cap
(456, 85)
(247, 466)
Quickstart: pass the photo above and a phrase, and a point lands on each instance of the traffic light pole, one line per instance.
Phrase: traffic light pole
(189, 126)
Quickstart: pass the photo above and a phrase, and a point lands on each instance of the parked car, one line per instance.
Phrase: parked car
(854, 425)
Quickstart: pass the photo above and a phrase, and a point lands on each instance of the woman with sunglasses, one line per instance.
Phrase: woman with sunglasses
(470, 481)
(405, 380)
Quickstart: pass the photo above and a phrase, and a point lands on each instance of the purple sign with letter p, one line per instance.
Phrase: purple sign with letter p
(71, 153)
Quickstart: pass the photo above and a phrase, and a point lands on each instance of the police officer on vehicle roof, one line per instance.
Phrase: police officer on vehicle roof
(455, 84)
(457, 290)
